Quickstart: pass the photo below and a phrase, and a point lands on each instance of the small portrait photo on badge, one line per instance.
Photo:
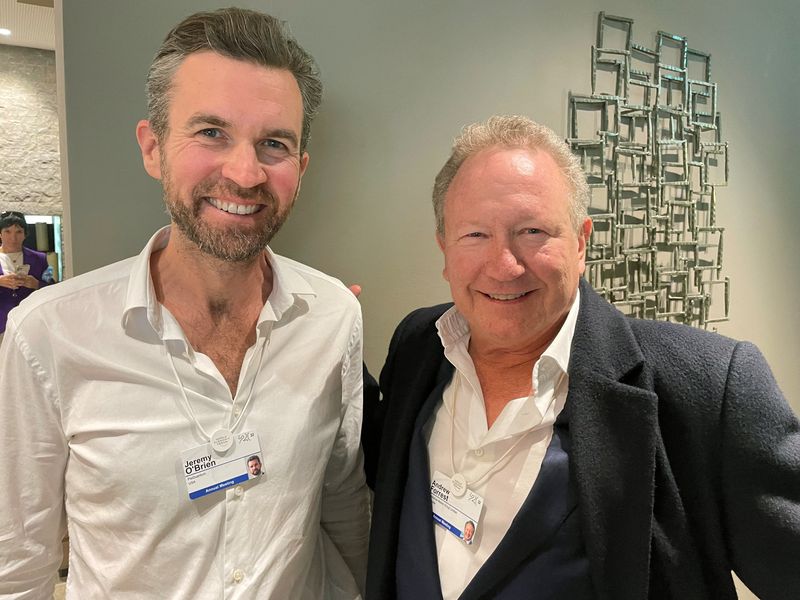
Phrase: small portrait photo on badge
(469, 532)
(254, 466)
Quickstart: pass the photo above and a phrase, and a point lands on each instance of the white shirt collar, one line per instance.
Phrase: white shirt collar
(142, 307)
(454, 333)
(454, 330)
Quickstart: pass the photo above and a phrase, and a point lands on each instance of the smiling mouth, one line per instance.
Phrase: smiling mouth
(507, 297)
(233, 208)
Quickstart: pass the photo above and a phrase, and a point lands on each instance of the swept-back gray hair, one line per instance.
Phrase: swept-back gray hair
(239, 34)
(513, 132)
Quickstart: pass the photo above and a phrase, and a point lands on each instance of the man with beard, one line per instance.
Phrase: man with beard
(254, 466)
(132, 396)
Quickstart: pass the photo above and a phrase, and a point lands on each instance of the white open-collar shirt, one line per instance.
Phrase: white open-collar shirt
(93, 425)
(526, 422)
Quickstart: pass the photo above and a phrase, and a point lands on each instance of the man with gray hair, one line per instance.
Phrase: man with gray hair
(533, 442)
(133, 396)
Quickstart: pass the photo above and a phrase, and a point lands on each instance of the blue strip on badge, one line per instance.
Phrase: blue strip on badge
(447, 525)
(458, 514)
(219, 486)
(208, 471)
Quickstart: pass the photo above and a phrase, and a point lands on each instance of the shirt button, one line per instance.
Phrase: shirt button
(238, 491)
(478, 452)
(237, 411)
(238, 575)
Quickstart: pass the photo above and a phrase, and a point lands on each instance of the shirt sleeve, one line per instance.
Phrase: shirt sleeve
(32, 521)
(345, 496)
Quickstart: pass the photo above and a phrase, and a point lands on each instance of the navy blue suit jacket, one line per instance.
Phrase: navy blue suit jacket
(686, 459)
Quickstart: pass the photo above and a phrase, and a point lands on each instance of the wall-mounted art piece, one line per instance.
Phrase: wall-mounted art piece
(650, 141)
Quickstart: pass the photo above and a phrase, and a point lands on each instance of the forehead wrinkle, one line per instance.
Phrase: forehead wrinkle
(508, 179)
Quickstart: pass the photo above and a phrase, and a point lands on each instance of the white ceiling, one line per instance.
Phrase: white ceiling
(31, 24)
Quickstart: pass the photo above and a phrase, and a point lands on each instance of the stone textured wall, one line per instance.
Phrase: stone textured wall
(30, 176)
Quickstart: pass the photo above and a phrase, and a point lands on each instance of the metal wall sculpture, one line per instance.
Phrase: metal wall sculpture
(649, 138)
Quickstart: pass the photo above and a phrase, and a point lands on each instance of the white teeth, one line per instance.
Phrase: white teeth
(506, 296)
(236, 209)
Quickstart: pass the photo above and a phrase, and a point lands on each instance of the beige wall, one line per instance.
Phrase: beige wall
(402, 78)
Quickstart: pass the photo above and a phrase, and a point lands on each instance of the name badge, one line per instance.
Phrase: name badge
(461, 516)
(208, 471)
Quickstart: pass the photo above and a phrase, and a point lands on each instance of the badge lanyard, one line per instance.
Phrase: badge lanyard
(222, 438)
(459, 482)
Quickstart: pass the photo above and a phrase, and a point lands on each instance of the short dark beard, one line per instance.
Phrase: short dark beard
(232, 244)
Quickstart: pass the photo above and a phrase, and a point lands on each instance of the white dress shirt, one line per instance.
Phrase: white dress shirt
(93, 424)
(523, 429)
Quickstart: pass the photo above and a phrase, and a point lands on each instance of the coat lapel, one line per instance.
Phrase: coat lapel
(539, 517)
(613, 429)
(412, 370)
(614, 432)
(417, 514)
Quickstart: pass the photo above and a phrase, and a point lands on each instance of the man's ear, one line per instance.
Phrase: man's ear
(304, 163)
(151, 152)
(440, 242)
(583, 240)
(586, 232)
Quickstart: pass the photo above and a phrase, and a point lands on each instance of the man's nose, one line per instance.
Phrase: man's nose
(243, 167)
(504, 264)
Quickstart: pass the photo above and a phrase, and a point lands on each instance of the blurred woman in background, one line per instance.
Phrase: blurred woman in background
(22, 270)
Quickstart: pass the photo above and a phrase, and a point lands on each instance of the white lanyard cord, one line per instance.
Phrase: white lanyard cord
(493, 467)
(188, 404)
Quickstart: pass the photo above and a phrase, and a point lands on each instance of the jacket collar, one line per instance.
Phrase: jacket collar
(613, 429)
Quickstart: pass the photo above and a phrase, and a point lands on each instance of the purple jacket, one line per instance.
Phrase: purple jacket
(10, 298)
